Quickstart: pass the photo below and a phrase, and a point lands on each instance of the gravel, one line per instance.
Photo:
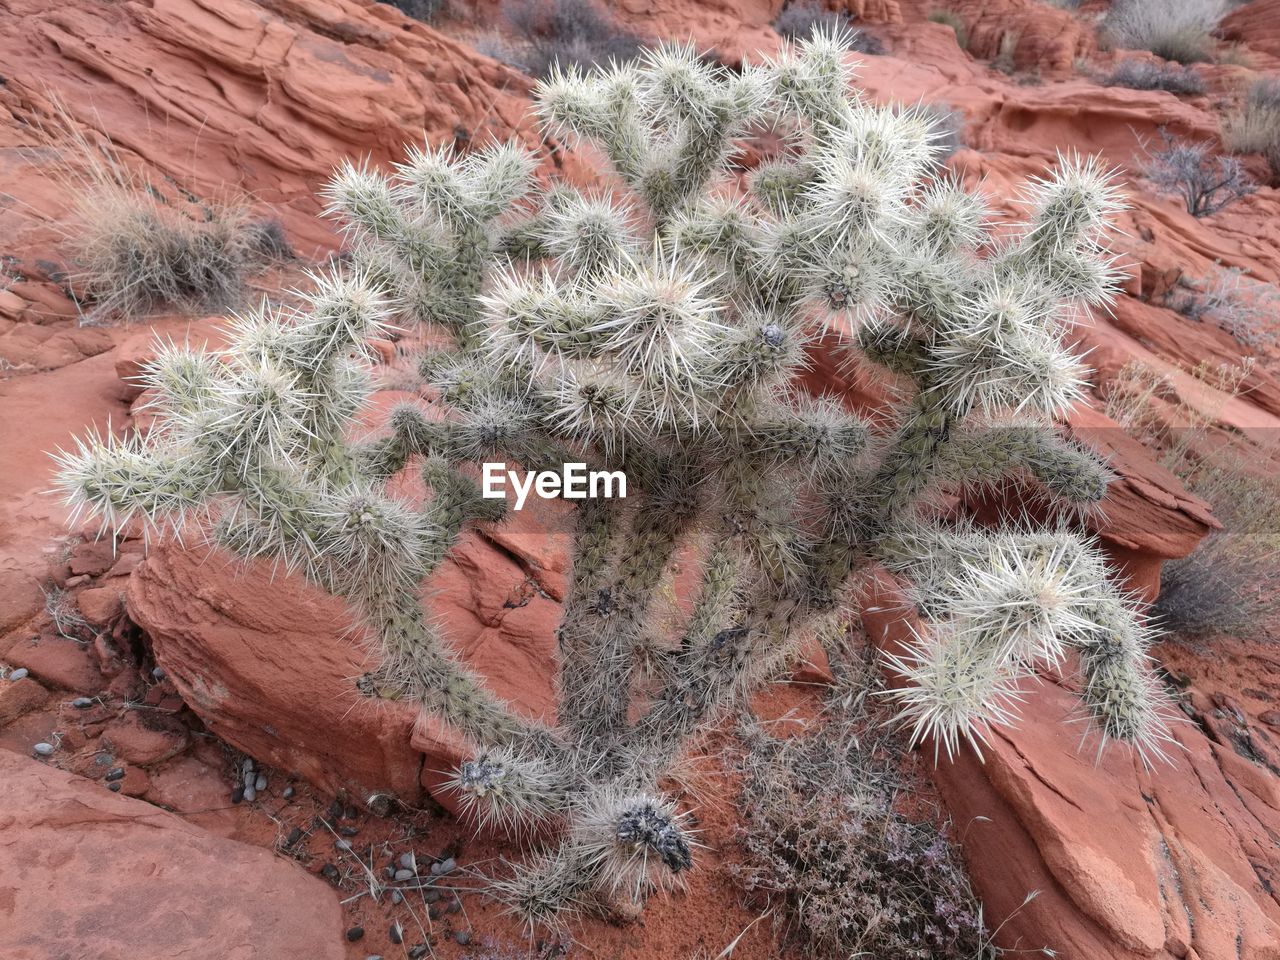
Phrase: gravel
(237, 794)
(404, 875)
(397, 897)
(396, 933)
(44, 749)
(250, 794)
(288, 793)
(343, 845)
(354, 934)
(19, 674)
(407, 861)
(463, 937)
(444, 867)
(115, 773)
(82, 703)
(261, 783)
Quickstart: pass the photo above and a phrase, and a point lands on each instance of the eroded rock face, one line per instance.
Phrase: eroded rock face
(271, 664)
(1175, 861)
(85, 872)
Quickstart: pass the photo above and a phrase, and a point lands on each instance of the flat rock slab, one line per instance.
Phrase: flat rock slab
(90, 874)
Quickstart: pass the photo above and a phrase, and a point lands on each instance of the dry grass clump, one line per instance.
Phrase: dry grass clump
(823, 846)
(137, 255)
(1180, 30)
(1226, 586)
(1247, 309)
(1255, 128)
(1151, 75)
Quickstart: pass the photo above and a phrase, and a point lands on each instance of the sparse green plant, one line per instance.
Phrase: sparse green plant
(953, 20)
(1180, 30)
(1204, 181)
(658, 330)
(1150, 75)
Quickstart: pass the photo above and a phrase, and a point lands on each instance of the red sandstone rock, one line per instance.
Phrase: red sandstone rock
(100, 605)
(1129, 863)
(19, 697)
(90, 873)
(144, 740)
(59, 662)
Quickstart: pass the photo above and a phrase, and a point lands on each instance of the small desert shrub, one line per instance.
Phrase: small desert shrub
(1247, 309)
(138, 254)
(424, 10)
(568, 33)
(798, 21)
(1205, 182)
(1178, 30)
(823, 844)
(947, 126)
(1256, 127)
(1004, 58)
(952, 20)
(1150, 75)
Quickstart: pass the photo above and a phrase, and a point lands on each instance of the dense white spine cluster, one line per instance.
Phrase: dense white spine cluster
(658, 329)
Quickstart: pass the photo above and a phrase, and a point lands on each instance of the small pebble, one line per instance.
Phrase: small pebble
(374, 956)
(349, 831)
(159, 673)
(434, 911)
(444, 867)
(354, 934)
(44, 749)
(237, 794)
(396, 933)
(418, 952)
(343, 845)
(250, 794)
(115, 773)
(463, 937)
(389, 872)
(404, 875)
(397, 896)
(294, 836)
(261, 783)
(330, 871)
(114, 787)
(82, 703)
(431, 896)
(18, 674)
(335, 810)
(455, 907)
(407, 861)
(349, 813)
(288, 793)
(246, 768)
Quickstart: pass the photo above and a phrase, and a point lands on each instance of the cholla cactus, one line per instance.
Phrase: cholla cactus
(658, 328)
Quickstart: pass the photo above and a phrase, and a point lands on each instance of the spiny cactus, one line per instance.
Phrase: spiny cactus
(658, 328)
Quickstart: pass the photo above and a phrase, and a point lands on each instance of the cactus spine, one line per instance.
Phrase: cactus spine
(658, 330)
